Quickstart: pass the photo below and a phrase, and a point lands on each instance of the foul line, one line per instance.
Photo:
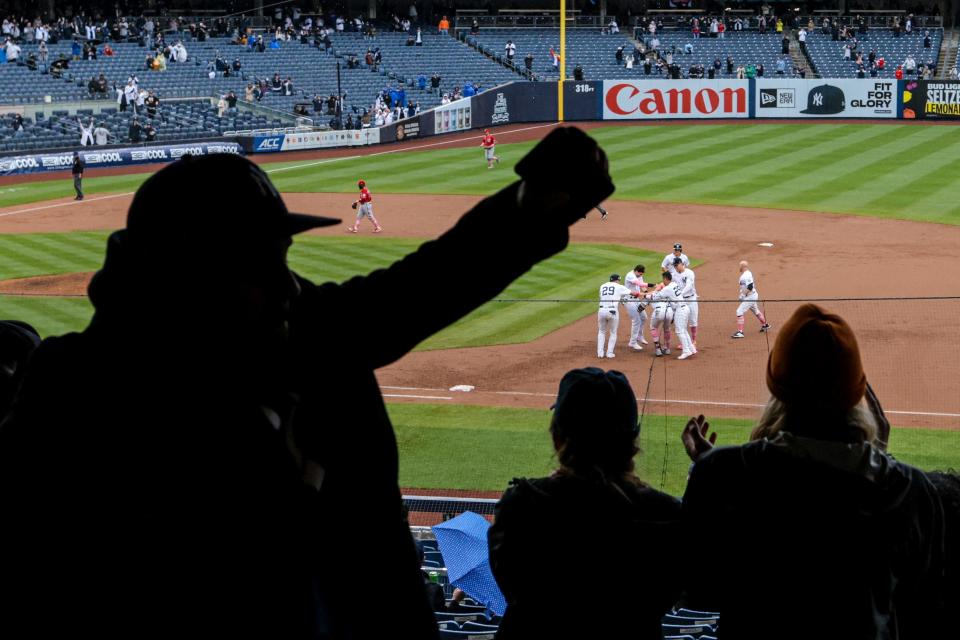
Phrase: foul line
(65, 204)
(709, 403)
(403, 395)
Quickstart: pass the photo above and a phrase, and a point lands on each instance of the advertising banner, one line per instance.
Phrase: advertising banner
(825, 98)
(673, 99)
(329, 139)
(63, 160)
(931, 100)
(456, 116)
(515, 103)
(267, 144)
(407, 129)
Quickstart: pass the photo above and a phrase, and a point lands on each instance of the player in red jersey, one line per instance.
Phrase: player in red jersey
(489, 143)
(364, 207)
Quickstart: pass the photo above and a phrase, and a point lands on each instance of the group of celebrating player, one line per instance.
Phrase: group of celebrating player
(674, 304)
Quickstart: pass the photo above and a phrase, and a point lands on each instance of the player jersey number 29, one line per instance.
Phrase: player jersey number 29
(608, 291)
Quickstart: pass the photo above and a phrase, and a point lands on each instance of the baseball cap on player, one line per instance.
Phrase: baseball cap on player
(614, 277)
(677, 247)
(199, 199)
(590, 399)
(815, 362)
(361, 183)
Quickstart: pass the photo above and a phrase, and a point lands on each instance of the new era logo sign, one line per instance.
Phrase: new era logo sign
(777, 98)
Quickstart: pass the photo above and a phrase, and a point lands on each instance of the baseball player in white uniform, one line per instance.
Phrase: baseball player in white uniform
(667, 264)
(612, 293)
(661, 318)
(637, 310)
(685, 278)
(748, 301)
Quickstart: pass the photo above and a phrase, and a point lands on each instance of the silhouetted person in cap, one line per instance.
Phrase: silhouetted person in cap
(571, 550)
(194, 457)
(17, 341)
(818, 532)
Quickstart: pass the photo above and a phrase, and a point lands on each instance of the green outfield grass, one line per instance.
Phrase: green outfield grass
(574, 274)
(888, 170)
(482, 448)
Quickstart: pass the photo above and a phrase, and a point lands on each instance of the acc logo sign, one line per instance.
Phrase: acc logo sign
(653, 100)
(269, 144)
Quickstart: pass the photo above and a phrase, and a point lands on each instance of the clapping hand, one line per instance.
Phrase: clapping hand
(697, 439)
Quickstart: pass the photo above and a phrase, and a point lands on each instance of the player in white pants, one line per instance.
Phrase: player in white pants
(748, 296)
(612, 293)
(680, 318)
(637, 310)
(685, 279)
(662, 315)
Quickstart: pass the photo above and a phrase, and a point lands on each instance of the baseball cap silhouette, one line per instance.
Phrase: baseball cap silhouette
(594, 399)
(201, 198)
(825, 100)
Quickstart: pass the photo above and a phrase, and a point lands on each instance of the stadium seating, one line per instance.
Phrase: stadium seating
(312, 70)
(827, 54)
(595, 51)
(175, 122)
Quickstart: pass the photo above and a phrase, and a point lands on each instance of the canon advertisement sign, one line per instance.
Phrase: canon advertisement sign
(664, 99)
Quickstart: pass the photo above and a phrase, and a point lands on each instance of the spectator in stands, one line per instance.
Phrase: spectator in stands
(287, 88)
(475, 28)
(947, 486)
(410, 40)
(695, 28)
(910, 65)
(528, 62)
(348, 124)
(135, 131)
(544, 528)
(852, 524)
(578, 73)
(927, 40)
(76, 50)
(435, 82)
(276, 84)
(954, 73)
(17, 342)
(13, 51)
(510, 50)
(149, 132)
(882, 63)
(729, 66)
(785, 45)
(221, 107)
(231, 99)
(781, 66)
(419, 39)
(108, 50)
(613, 27)
(101, 135)
(468, 90)
(43, 55)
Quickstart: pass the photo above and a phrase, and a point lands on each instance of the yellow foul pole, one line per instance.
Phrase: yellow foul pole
(563, 58)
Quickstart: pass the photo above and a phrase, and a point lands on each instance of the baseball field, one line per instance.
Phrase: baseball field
(862, 218)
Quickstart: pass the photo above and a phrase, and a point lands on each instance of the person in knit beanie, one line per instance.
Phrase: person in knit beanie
(815, 524)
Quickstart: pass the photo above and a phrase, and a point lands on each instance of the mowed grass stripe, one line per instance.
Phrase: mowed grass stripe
(576, 273)
(753, 160)
(24, 255)
(830, 185)
(50, 316)
(483, 448)
(750, 164)
(792, 170)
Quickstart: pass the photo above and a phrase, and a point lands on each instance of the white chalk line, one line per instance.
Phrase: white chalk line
(65, 204)
(403, 395)
(292, 167)
(708, 403)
